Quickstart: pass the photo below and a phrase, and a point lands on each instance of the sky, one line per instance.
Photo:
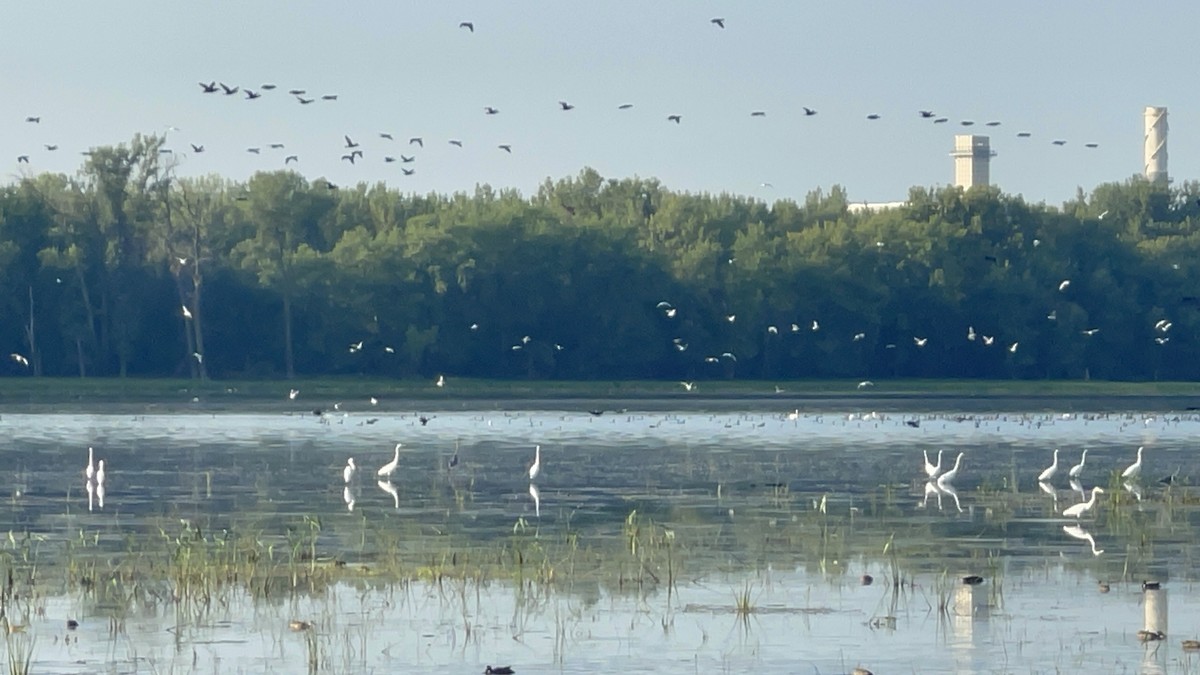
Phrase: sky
(96, 73)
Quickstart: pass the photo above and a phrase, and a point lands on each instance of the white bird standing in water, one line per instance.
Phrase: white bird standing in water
(348, 471)
(1134, 469)
(90, 470)
(932, 470)
(536, 468)
(388, 469)
(1078, 468)
(1048, 475)
(946, 478)
(100, 474)
(1079, 510)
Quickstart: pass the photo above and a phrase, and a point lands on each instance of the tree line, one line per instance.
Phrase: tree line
(127, 269)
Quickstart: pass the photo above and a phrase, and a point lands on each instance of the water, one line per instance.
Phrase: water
(788, 512)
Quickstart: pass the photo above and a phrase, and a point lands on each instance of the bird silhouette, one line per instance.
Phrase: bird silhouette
(941, 120)
(349, 158)
(625, 106)
(1091, 145)
(489, 110)
(297, 92)
(267, 87)
(253, 151)
(229, 91)
(210, 88)
(291, 158)
(1059, 142)
(873, 116)
(22, 159)
(718, 22)
(468, 25)
(675, 118)
(329, 97)
(927, 114)
(251, 95)
(350, 143)
(197, 148)
(565, 106)
(417, 140)
(505, 147)
(389, 159)
(993, 123)
(1023, 134)
(456, 142)
(758, 113)
(966, 123)
(276, 146)
(406, 159)
(34, 120)
(304, 101)
(51, 148)
(408, 172)
(386, 135)
(809, 112)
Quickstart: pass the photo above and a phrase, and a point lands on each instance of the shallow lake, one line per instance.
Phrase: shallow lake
(650, 542)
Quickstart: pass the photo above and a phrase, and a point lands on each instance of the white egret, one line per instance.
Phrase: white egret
(187, 313)
(1048, 475)
(865, 383)
(932, 470)
(1066, 283)
(100, 474)
(293, 394)
(920, 341)
(348, 471)
(388, 469)
(1079, 510)
(971, 333)
(946, 478)
(19, 359)
(348, 497)
(536, 468)
(90, 470)
(1013, 348)
(1133, 470)
(688, 385)
(1078, 468)
(386, 486)
(816, 326)
(988, 340)
(441, 381)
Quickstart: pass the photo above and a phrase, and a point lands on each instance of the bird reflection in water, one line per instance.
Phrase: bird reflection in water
(1133, 489)
(1079, 533)
(537, 499)
(348, 497)
(386, 486)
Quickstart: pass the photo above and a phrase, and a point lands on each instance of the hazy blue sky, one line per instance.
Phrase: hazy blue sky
(97, 72)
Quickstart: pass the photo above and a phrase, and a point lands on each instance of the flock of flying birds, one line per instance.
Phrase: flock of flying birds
(352, 151)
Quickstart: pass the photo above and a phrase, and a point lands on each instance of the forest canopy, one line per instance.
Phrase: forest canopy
(127, 269)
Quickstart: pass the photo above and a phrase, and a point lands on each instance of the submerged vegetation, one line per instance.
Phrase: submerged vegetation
(126, 269)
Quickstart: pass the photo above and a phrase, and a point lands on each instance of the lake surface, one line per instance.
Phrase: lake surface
(655, 526)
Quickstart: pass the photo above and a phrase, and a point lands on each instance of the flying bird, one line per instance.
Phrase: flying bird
(565, 106)
(229, 91)
(290, 158)
(197, 148)
(468, 25)
(505, 147)
(386, 135)
(1064, 285)
(1091, 145)
(350, 143)
(251, 95)
(718, 22)
(1059, 142)
(297, 92)
(1023, 134)
(406, 159)
(329, 97)
(625, 106)
(19, 359)
(51, 147)
(809, 112)
(489, 110)
(304, 101)
(456, 142)
(210, 88)
(873, 116)
(22, 159)
(38, 120)
(758, 113)
(417, 140)
(926, 114)
(267, 87)
(675, 118)
(408, 172)
(253, 151)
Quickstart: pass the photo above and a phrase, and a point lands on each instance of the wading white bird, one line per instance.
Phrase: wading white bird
(90, 469)
(536, 468)
(100, 475)
(348, 471)
(1078, 468)
(950, 475)
(1048, 475)
(1079, 510)
(388, 469)
(932, 470)
(187, 313)
(1134, 469)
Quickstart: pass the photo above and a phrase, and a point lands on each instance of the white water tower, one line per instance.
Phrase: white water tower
(1155, 152)
(972, 159)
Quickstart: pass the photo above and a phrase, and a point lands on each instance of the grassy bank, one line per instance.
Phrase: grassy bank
(324, 391)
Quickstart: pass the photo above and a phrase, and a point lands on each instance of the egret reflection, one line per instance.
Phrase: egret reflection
(1079, 533)
(537, 499)
(348, 497)
(386, 486)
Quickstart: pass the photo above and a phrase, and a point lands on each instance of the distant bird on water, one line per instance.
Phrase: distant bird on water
(388, 469)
